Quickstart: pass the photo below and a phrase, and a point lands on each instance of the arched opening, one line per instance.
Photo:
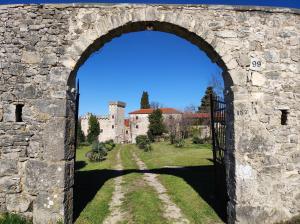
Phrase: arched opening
(211, 53)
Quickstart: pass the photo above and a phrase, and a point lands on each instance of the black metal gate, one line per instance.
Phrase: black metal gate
(218, 127)
(218, 134)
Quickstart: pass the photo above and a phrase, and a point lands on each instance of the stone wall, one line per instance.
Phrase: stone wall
(42, 47)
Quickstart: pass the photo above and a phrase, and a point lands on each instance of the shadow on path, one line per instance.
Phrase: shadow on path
(201, 178)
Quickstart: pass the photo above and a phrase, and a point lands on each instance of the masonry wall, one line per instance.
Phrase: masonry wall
(43, 45)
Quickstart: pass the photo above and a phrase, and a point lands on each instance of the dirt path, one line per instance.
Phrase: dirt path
(116, 214)
(171, 211)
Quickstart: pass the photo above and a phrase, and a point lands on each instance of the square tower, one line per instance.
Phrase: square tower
(117, 116)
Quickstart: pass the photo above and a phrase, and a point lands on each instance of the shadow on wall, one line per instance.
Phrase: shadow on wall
(201, 178)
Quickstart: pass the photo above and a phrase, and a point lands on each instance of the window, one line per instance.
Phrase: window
(284, 117)
(136, 117)
(126, 132)
(112, 126)
(113, 116)
(19, 108)
(101, 130)
(136, 126)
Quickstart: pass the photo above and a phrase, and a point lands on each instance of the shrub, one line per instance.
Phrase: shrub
(198, 140)
(109, 144)
(179, 143)
(98, 152)
(148, 148)
(143, 142)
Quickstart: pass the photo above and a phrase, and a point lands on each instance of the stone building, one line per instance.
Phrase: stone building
(112, 126)
(139, 120)
(115, 126)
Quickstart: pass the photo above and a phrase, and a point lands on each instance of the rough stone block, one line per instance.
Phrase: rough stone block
(54, 140)
(258, 79)
(10, 184)
(2, 202)
(9, 114)
(55, 107)
(48, 208)
(18, 202)
(31, 57)
(41, 176)
(8, 167)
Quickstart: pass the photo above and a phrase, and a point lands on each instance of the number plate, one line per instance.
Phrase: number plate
(255, 64)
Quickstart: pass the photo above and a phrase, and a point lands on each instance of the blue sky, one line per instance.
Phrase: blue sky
(173, 71)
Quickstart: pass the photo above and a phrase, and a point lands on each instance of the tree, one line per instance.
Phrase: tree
(205, 101)
(217, 84)
(80, 134)
(94, 129)
(145, 100)
(156, 126)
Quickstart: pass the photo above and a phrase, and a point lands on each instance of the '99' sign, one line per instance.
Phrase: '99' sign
(255, 64)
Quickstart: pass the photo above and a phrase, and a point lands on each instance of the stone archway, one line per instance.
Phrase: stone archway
(258, 49)
(181, 32)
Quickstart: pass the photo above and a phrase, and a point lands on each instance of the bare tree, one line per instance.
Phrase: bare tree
(217, 83)
(178, 126)
(190, 109)
(171, 124)
(155, 105)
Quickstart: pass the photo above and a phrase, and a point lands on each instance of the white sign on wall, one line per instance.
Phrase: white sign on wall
(255, 64)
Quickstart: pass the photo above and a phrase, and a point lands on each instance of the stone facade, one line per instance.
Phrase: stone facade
(112, 126)
(139, 121)
(42, 47)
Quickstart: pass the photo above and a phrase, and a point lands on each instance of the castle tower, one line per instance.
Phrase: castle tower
(117, 116)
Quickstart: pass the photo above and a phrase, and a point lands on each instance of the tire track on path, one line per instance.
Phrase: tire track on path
(171, 211)
(116, 214)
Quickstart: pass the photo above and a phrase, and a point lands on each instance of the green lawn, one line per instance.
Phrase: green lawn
(93, 187)
(140, 200)
(187, 173)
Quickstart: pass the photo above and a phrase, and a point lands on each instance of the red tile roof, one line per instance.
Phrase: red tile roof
(126, 122)
(150, 110)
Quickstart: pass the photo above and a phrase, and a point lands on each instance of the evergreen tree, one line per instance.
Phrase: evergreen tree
(80, 134)
(94, 129)
(156, 125)
(145, 100)
(205, 101)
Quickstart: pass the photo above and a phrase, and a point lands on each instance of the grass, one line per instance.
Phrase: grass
(141, 201)
(187, 173)
(13, 219)
(93, 187)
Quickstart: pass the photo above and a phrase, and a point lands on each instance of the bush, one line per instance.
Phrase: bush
(198, 140)
(98, 152)
(109, 144)
(179, 143)
(143, 142)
